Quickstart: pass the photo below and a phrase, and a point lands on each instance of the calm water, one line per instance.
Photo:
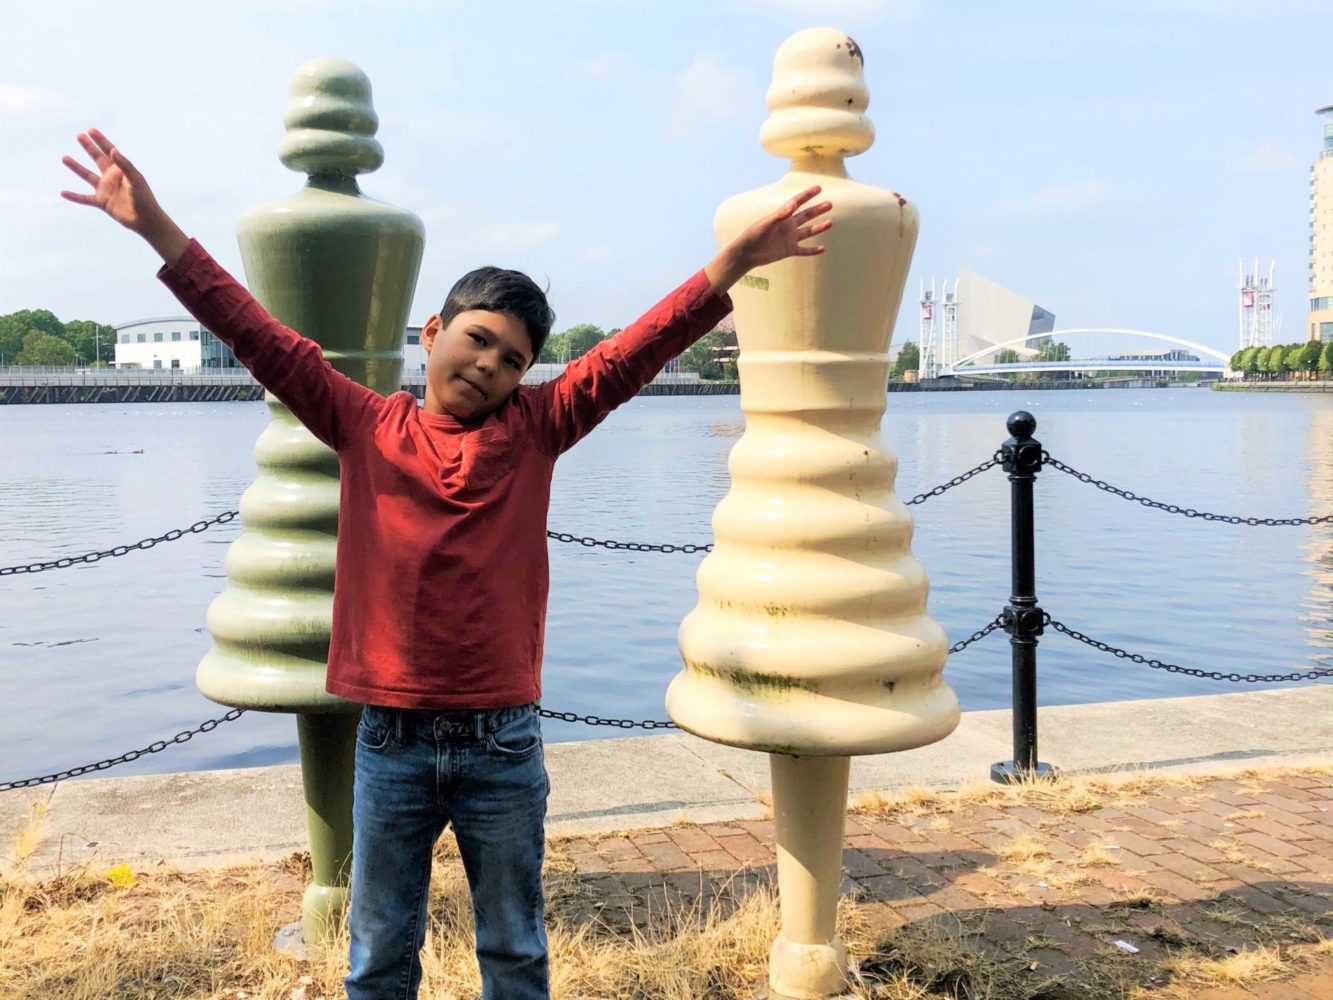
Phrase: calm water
(100, 659)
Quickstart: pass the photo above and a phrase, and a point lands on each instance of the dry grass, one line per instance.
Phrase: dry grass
(165, 935)
(1024, 848)
(1249, 966)
(79, 937)
(209, 935)
(1095, 855)
(1070, 794)
(1233, 853)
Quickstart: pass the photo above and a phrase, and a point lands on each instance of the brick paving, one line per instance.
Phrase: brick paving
(1208, 869)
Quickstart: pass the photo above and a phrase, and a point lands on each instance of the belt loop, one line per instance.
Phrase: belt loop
(398, 726)
(481, 718)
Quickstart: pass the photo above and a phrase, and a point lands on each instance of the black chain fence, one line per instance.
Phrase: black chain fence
(152, 748)
(985, 466)
(120, 550)
(1170, 508)
(1172, 668)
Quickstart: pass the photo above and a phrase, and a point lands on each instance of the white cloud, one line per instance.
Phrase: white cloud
(1057, 199)
(596, 254)
(706, 93)
(1268, 159)
(607, 66)
(24, 103)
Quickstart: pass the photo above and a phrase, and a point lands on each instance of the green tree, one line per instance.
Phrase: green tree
(45, 349)
(1237, 361)
(579, 340)
(1249, 361)
(709, 358)
(1053, 350)
(1008, 356)
(553, 351)
(15, 327)
(909, 359)
(1326, 360)
(1272, 361)
(1291, 357)
(1307, 357)
(92, 341)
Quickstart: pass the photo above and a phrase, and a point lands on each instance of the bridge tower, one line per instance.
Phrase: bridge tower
(1256, 306)
(928, 366)
(949, 333)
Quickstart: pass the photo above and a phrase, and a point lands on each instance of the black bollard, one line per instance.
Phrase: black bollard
(1023, 619)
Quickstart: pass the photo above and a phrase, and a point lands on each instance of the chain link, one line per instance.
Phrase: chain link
(597, 720)
(1171, 508)
(120, 550)
(980, 633)
(990, 463)
(610, 543)
(1187, 671)
(125, 758)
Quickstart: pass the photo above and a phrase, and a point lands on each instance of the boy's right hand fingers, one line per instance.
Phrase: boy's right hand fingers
(80, 169)
(103, 143)
(90, 147)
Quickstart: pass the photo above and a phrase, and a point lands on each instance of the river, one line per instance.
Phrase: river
(99, 659)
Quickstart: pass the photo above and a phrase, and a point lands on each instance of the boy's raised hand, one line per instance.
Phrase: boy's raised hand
(773, 238)
(121, 192)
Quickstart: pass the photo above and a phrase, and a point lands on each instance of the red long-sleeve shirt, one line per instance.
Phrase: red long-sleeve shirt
(441, 580)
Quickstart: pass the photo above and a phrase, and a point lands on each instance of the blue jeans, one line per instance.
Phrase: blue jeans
(418, 771)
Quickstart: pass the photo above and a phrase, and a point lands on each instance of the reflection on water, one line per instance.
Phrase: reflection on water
(1318, 546)
(100, 659)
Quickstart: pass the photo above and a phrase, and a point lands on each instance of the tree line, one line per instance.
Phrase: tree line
(1309, 360)
(38, 337)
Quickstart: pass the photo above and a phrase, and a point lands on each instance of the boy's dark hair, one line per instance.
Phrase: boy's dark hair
(497, 289)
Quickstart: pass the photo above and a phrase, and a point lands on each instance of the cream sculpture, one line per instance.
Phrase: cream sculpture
(811, 640)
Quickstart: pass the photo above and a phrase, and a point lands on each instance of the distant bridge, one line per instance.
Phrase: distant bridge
(1211, 360)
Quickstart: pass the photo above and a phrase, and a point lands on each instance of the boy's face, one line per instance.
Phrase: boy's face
(474, 363)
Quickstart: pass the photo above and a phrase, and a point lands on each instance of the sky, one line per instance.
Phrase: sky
(1110, 159)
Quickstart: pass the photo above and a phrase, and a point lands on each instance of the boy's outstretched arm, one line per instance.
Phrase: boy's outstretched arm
(283, 361)
(616, 369)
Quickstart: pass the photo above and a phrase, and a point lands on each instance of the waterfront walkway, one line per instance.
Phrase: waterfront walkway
(1107, 887)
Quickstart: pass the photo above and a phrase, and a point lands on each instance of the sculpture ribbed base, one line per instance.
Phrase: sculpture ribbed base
(812, 724)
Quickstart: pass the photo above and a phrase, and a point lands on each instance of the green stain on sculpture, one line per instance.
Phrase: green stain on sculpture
(339, 268)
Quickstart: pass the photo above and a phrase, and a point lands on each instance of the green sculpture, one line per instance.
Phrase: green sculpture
(339, 268)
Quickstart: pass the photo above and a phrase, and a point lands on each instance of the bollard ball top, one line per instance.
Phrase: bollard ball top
(331, 122)
(1021, 424)
(818, 97)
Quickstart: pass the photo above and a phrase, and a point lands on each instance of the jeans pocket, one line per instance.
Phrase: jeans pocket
(372, 732)
(517, 739)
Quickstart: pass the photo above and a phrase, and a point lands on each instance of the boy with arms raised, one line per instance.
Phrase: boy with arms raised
(441, 583)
